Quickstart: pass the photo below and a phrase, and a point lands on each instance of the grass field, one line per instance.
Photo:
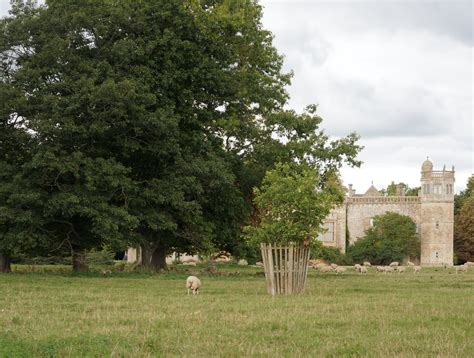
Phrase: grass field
(140, 315)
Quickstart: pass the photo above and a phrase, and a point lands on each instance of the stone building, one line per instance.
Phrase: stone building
(432, 211)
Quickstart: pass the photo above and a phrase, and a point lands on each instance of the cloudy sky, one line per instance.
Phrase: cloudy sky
(399, 73)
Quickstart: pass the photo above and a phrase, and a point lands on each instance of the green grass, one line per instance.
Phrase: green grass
(139, 315)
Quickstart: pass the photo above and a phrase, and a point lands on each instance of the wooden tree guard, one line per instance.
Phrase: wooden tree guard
(286, 268)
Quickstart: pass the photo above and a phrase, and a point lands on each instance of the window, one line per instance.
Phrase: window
(437, 224)
(436, 254)
(417, 229)
(371, 222)
(426, 188)
(437, 189)
(449, 188)
(329, 234)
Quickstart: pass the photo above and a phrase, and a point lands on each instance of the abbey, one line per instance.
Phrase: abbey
(432, 211)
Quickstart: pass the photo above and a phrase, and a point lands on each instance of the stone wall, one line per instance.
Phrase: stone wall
(360, 212)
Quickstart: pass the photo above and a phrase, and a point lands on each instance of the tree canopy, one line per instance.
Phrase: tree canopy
(464, 223)
(145, 123)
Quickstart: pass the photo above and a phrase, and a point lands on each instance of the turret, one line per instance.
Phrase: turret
(436, 215)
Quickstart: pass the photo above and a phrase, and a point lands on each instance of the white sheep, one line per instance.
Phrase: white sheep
(409, 263)
(394, 264)
(325, 269)
(469, 263)
(401, 269)
(193, 284)
(357, 267)
(388, 269)
(380, 269)
(334, 266)
(416, 269)
(461, 268)
(363, 270)
(366, 263)
(340, 270)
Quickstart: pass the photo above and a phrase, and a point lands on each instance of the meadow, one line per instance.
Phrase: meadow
(57, 314)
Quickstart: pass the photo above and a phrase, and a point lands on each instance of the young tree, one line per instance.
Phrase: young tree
(292, 203)
(392, 238)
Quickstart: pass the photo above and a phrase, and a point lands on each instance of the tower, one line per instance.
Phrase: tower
(436, 215)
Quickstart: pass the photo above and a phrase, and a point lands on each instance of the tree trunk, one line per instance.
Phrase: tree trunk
(146, 253)
(5, 266)
(158, 259)
(79, 261)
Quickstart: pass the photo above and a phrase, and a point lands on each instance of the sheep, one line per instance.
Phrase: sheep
(367, 264)
(325, 269)
(469, 263)
(334, 266)
(193, 284)
(401, 269)
(409, 263)
(388, 269)
(394, 264)
(363, 270)
(416, 269)
(320, 265)
(340, 270)
(357, 267)
(380, 269)
(461, 268)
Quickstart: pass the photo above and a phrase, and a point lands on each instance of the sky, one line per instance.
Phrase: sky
(399, 73)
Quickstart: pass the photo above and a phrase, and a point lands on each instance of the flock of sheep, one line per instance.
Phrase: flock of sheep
(193, 284)
(393, 267)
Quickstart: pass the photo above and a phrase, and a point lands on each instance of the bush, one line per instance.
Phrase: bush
(105, 256)
(330, 254)
(392, 238)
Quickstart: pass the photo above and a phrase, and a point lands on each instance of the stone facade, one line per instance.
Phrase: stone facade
(432, 211)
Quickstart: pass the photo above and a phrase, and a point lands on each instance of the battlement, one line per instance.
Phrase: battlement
(382, 199)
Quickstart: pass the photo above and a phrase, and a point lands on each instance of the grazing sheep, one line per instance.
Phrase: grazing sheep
(393, 264)
(320, 265)
(363, 270)
(193, 284)
(106, 273)
(409, 263)
(416, 269)
(388, 269)
(334, 266)
(325, 269)
(259, 264)
(340, 270)
(367, 264)
(401, 269)
(243, 262)
(380, 269)
(357, 267)
(469, 263)
(461, 268)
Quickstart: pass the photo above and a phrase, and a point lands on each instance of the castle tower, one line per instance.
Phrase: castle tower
(436, 215)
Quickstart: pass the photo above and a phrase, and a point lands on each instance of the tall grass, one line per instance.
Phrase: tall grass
(140, 315)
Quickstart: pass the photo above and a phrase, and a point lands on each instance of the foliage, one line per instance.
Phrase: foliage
(104, 256)
(464, 231)
(391, 190)
(153, 121)
(464, 195)
(330, 255)
(292, 206)
(392, 238)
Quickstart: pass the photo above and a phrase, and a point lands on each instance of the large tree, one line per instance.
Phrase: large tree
(154, 120)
